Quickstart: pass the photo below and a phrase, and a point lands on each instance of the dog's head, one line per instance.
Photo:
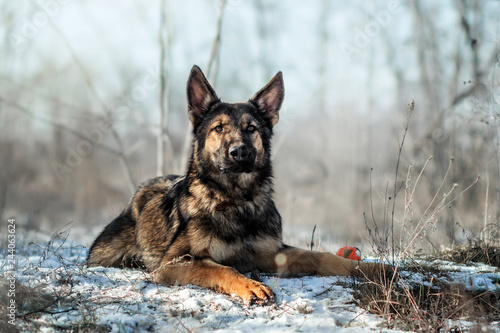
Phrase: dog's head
(233, 138)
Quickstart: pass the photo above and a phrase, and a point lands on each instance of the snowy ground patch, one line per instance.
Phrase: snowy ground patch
(124, 300)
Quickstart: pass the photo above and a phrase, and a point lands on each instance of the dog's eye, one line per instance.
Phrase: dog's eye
(251, 128)
(219, 128)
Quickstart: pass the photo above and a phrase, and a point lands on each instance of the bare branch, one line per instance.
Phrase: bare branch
(213, 61)
(50, 122)
(106, 110)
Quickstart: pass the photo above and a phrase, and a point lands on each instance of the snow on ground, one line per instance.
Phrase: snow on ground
(124, 300)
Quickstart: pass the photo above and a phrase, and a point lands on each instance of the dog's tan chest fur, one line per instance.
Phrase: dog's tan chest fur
(248, 249)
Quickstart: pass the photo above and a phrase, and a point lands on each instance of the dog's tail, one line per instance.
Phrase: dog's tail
(116, 245)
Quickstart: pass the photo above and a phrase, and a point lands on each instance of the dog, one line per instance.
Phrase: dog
(218, 221)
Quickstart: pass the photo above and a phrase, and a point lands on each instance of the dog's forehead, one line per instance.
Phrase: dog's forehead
(223, 118)
(238, 113)
(244, 118)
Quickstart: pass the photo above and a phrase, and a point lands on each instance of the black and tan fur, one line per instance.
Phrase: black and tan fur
(219, 220)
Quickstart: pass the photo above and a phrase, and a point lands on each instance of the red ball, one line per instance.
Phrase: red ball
(349, 252)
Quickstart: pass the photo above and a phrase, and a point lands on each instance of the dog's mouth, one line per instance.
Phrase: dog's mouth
(241, 167)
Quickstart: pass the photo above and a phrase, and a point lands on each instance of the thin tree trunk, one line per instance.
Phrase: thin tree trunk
(213, 61)
(164, 91)
(211, 74)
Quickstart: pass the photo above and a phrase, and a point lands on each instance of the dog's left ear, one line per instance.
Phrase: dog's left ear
(268, 100)
(200, 95)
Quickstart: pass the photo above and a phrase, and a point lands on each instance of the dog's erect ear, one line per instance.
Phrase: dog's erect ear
(200, 95)
(268, 100)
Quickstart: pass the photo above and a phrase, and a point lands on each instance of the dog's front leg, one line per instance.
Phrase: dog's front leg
(208, 274)
(293, 260)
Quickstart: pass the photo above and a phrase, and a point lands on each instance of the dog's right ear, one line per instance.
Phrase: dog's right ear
(200, 95)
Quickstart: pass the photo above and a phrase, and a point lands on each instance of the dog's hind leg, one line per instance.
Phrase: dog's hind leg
(116, 245)
(208, 274)
(291, 260)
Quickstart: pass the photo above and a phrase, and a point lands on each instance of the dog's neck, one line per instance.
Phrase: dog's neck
(227, 190)
(224, 204)
(224, 195)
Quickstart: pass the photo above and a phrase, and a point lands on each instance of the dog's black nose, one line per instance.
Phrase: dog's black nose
(239, 153)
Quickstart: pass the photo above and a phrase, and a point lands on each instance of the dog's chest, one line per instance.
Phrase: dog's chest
(243, 254)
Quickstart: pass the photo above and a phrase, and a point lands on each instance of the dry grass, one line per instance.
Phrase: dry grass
(28, 300)
(429, 306)
(40, 299)
(475, 252)
(433, 303)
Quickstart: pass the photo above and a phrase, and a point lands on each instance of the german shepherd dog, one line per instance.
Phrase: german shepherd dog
(219, 220)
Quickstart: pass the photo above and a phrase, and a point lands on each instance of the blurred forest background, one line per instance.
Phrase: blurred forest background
(92, 103)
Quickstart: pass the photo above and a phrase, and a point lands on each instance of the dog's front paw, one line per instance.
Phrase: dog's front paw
(253, 292)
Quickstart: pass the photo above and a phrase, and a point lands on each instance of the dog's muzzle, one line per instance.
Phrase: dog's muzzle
(242, 158)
